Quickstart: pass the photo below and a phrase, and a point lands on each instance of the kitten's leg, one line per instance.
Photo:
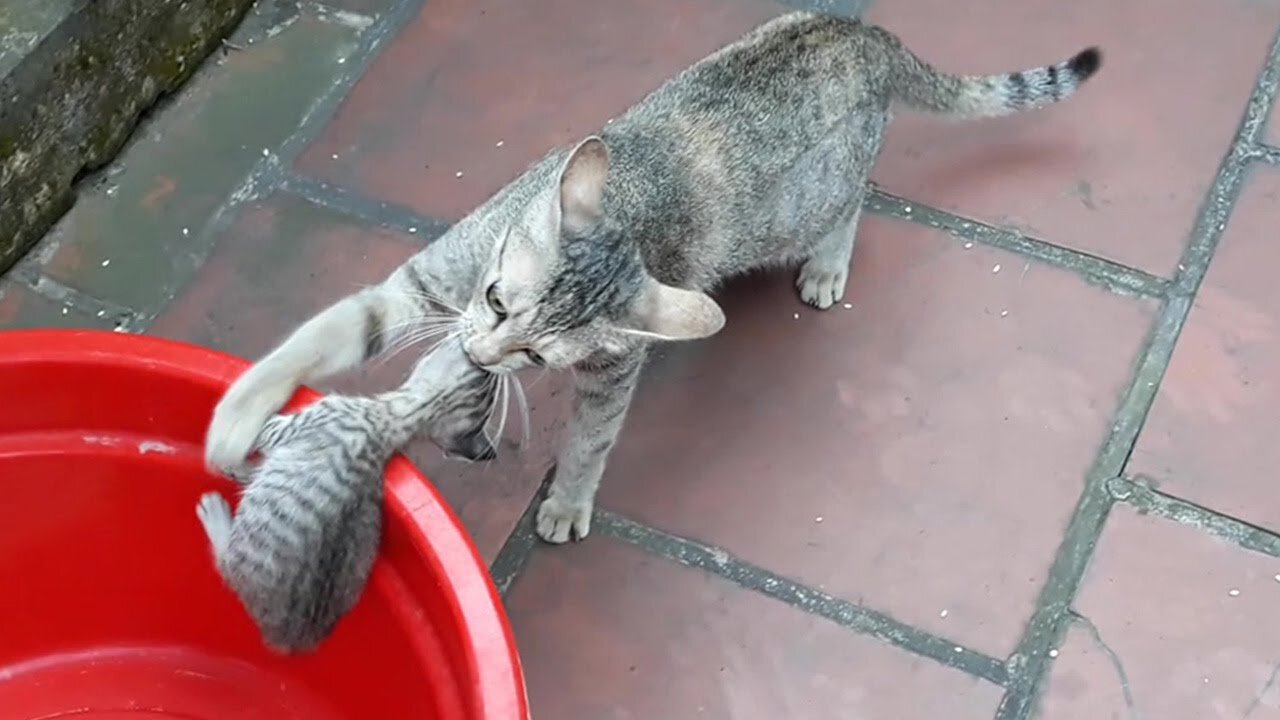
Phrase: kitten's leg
(277, 430)
(823, 276)
(215, 515)
(341, 337)
(600, 405)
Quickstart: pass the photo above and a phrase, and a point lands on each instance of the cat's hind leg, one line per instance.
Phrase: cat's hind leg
(825, 272)
(215, 515)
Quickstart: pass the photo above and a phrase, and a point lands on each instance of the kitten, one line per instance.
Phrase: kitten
(299, 549)
(755, 157)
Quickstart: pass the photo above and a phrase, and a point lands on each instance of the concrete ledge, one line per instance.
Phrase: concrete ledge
(74, 77)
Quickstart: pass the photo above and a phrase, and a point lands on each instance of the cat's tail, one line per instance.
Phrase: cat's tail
(921, 86)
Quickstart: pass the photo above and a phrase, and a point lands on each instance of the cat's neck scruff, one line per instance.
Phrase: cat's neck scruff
(755, 157)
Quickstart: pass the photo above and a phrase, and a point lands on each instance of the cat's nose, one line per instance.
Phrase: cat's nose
(481, 355)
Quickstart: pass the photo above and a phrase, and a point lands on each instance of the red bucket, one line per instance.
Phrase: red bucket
(110, 606)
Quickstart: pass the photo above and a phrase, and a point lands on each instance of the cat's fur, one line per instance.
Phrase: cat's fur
(299, 548)
(757, 156)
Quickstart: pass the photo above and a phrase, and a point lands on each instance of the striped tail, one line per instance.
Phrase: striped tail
(923, 87)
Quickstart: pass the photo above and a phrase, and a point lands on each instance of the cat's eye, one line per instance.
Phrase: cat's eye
(535, 358)
(491, 295)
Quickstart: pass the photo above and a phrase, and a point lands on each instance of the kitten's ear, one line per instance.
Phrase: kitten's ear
(663, 312)
(474, 447)
(582, 185)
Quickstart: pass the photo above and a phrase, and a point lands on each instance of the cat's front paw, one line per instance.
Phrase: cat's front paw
(236, 423)
(560, 521)
(822, 285)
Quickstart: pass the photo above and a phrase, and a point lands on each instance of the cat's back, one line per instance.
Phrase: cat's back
(805, 62)
(699, 157)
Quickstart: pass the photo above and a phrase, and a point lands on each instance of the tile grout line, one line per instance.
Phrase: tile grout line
(1030, 663)
(512, 559)
(259, 181)
(348, 202)
(1268, 154)
(717, 562)
(1140, 493)
(1110, 275)
(267, 174)
(125, 319)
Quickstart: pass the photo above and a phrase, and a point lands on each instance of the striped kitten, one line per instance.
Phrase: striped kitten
(755, 157)
(299, 549)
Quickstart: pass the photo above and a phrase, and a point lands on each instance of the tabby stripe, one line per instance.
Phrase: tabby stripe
(613, 415)
(372, 331)
(1017, 89)
(411, 269)
(594, 396)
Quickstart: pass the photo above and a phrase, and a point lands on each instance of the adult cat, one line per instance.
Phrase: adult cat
(756, 156)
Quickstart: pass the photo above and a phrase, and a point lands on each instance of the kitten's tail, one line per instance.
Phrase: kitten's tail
(923, 87)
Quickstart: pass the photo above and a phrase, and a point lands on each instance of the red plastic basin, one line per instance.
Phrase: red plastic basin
(110, 606)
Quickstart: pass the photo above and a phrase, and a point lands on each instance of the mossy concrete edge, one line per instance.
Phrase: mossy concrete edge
(74, 99)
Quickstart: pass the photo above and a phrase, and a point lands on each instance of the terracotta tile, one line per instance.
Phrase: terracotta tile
(285, 260)
(468, 74)
(1120, 169)
(919, 452)
(606, 631)
(1209, 436)
(133, 238)
(1206, 653)
(21, 308)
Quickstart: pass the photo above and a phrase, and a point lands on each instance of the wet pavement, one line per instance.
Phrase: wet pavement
(1025, 471)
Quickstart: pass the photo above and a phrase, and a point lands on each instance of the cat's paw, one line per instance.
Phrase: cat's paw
(560, 521)
(229, 441)
(233, 432)
(215, 516)
(821, 285)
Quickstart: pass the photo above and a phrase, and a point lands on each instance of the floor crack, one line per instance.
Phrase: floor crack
(1257, 699)
(1111, 654)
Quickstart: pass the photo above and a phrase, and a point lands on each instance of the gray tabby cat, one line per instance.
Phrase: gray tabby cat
(299, 549)
(755, 157)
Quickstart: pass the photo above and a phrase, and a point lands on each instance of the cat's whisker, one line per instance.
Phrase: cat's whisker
(537, 380)
(449, 335)
(522, 404)
(398, 339)
(417, 323)
(421, 319)
(492, 391)
(443, 331)
(505, 390)
(433, 299)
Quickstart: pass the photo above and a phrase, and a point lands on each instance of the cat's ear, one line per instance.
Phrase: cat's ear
(582, 185)
(662, 312)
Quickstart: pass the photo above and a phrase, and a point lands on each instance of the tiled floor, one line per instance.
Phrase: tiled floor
(974, 493)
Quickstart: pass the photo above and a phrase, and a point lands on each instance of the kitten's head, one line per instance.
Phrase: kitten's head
(462, 404)
(567, 282)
